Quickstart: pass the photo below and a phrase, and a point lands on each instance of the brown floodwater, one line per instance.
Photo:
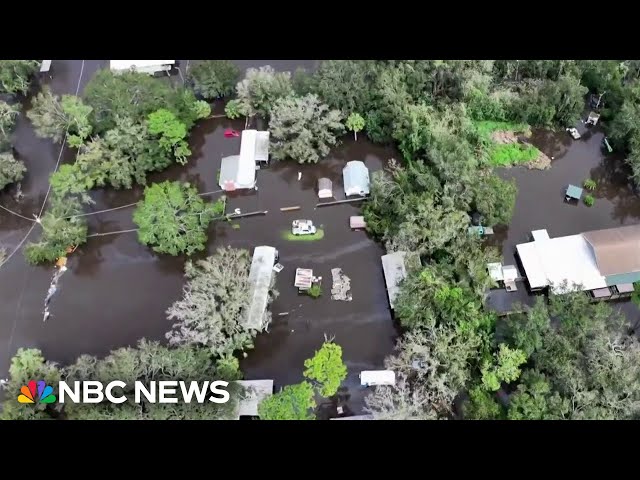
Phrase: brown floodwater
(116, 291)
(540, 202)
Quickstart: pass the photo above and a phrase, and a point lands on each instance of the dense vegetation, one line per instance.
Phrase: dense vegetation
(323, 372)
(173, 219)
(455, 358)
(125, 127)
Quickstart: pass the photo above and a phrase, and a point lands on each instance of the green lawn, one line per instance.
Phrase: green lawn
(511, 154)
(287, 235)
(502, 155)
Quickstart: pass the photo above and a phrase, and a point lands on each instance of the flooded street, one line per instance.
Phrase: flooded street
(116, 291)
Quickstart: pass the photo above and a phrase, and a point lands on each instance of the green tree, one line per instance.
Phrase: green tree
(173, 219)
(534, 400)
(506, 368)
(495, 198)
(294, 402)
(147, 362)
(482, 405)
(326, 368)
(8, 115)
(214, 78)
(526, 331)
(16, 75)
(260, 88)
(355, 123)
(11, 170)
(172, 133)
(212, 312)
(54, 118)
(303, 129)
(28, 364)
(233, 109)
(135, 95)
(60, 230)
(201, 109)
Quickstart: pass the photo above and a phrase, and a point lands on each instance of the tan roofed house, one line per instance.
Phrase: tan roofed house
(617, 250)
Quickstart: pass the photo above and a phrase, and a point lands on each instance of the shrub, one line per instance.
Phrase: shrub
(589, 200)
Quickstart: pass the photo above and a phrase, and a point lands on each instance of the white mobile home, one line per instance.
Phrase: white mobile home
(370, 378)
(260, 276)
(395, 271)
(142, 66)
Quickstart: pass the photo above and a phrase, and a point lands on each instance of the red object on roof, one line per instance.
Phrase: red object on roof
(229, 133)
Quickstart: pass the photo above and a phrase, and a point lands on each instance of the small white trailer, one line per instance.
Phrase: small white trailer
(369, 378)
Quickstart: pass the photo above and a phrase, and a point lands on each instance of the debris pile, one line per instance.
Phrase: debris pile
(341, 286)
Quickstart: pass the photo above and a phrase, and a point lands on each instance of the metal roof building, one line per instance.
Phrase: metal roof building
(325, 188)
(143, 66)
(394, 272)
(259, 283)
(355, 176)
(593, 260)
(254, 392)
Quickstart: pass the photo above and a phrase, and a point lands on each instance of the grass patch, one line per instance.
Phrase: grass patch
(314, 291)
(287, 235)
(589, 200)
(235, 226)
(487, 127)
(512, 153)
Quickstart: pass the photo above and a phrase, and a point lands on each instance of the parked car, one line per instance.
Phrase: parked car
(574, 133)
(303, 227)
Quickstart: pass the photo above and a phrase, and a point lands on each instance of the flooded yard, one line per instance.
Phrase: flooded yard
(116, 290)
(541, 203)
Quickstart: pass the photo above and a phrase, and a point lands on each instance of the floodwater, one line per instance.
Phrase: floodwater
(116, 291)
(541, 205)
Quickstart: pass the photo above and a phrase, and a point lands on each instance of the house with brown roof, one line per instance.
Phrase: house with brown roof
(604, 263)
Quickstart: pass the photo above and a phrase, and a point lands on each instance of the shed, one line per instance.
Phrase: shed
(357, 222)
(509, 276)
(573, 192)
(304, 278)
(45, 66)
(260, 275)
(237, 173)
(254, 392)
(355, 176)
(142, 66)
(394, 272)
(539, 235)
(325, 188)
(495, 271)
(369, 378)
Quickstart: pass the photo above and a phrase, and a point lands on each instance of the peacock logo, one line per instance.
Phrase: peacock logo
(38, 392)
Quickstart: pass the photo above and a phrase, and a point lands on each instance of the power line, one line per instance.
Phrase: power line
(36, 222)
(17, 214)
(112, 233)
(19, 245)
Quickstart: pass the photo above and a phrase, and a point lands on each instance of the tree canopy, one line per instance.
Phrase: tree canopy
(215, 299)
(326, 369)
(11, 170)
(173, 219)
(213, 79)
(303, 129)
(294, 402)
(260, 88)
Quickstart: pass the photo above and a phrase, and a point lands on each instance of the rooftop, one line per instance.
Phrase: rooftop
(260, 281)
(255, 391)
